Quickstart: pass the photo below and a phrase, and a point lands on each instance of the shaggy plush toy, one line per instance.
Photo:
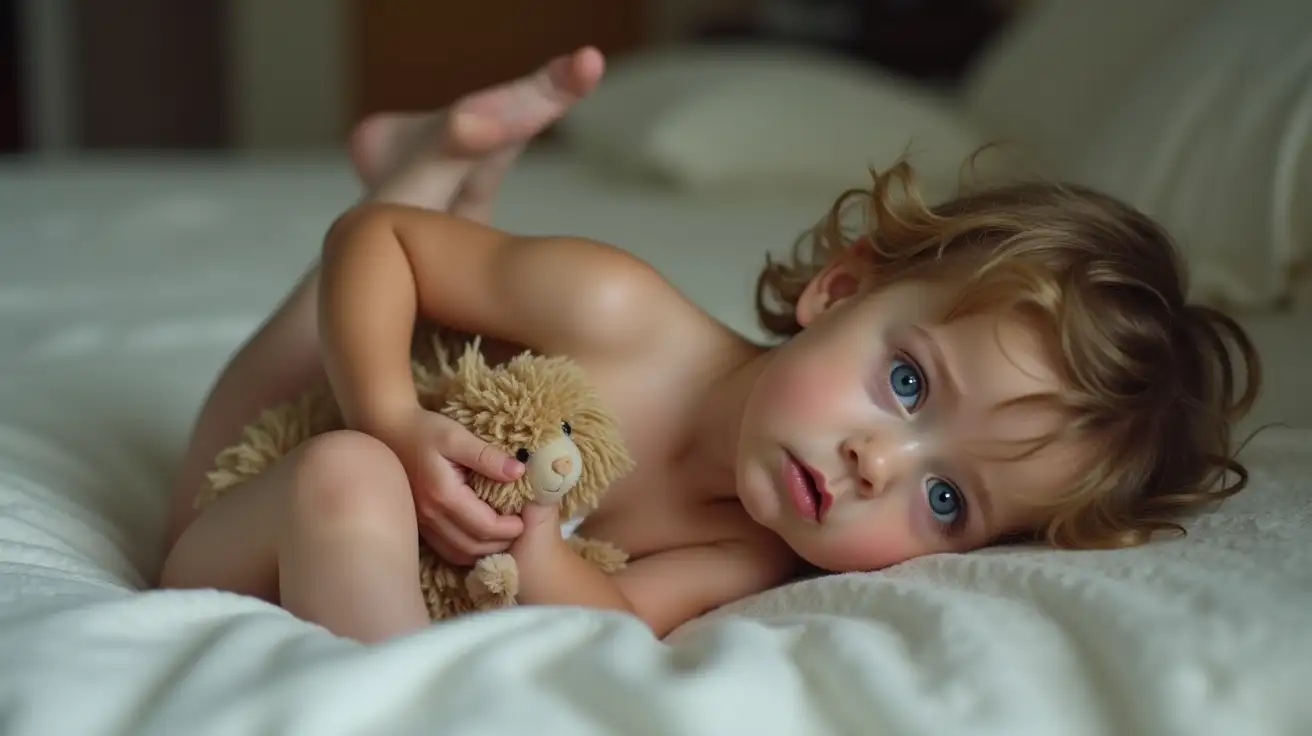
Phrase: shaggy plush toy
(540, 409)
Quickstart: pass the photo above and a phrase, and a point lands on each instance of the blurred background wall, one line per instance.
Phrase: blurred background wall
(294, 74)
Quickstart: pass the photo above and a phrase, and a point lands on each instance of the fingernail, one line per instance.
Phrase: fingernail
(513, 467)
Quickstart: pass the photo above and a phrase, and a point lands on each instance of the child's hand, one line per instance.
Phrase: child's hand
(541, 523)
(436, 451)
(541, 530)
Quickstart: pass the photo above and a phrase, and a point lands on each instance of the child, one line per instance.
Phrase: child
(1019, 362)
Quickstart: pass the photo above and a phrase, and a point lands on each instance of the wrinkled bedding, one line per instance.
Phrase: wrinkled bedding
(124, 284)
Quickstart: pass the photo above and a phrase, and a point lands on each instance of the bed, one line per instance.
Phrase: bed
(124, 283)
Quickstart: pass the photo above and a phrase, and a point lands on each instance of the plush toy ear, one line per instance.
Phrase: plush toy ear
(471, 365)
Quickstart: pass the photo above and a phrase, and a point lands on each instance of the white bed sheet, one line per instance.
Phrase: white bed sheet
(124, 284)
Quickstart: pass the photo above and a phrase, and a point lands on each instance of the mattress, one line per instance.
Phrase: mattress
(124, 283)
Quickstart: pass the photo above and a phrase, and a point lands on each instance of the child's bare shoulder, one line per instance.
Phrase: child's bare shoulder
(621, 297)
(563, 294)
(620, 308)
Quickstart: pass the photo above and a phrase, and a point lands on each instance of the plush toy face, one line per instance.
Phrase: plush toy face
(555, 468)
(543, 411)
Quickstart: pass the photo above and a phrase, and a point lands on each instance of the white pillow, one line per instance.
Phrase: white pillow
(760, 118)
(1052, 76)
(1214, 138)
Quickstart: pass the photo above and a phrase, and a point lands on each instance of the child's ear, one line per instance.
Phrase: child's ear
(836, 282)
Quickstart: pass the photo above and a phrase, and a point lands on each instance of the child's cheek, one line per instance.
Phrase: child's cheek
(873, 548)
(819, 392)
(808, 397)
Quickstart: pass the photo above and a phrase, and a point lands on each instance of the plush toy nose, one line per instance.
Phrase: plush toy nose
(562, 465)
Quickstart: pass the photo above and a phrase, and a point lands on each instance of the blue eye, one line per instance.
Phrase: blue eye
(907, 383)
(945, 501)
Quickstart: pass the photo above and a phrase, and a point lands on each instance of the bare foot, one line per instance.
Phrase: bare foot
(454, 158)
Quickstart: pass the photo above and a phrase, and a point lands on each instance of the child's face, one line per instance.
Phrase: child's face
(893, 413)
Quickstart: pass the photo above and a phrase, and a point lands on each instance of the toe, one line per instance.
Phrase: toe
(567, 78)
(519, 110)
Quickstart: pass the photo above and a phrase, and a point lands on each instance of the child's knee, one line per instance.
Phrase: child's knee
(349, 478)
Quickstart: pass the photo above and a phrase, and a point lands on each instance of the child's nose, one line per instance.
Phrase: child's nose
(879, 459)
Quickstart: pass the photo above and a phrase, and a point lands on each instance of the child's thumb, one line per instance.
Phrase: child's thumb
(536, 515)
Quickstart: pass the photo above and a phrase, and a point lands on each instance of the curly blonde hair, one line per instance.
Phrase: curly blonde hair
(1149, 374)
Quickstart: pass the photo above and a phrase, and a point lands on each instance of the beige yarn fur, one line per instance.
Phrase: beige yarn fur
(521, 403)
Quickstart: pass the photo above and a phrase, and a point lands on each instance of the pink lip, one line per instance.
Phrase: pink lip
(795, 473)
(826, 498)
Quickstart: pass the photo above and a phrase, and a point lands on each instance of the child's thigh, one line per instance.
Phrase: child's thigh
(335, 486)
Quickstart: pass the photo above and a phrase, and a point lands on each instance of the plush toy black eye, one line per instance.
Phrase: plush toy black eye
(564, 427)
(523, 455)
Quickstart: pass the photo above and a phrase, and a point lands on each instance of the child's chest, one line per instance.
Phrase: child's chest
(645, 514)
(651, 510)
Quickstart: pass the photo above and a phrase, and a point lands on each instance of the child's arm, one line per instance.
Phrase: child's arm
(664, 590)
(386, 265)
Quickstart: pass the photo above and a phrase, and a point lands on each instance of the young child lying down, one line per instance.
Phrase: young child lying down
(1020, 362)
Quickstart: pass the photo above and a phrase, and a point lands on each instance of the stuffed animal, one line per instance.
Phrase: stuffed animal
(540, 409)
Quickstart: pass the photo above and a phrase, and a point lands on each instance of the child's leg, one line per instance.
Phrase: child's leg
(282, 357)
(328, 533)
(407, 158)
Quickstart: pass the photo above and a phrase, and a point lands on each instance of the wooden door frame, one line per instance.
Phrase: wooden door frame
(260, 114)
(88, 76)
(150, 74)
(13, 124)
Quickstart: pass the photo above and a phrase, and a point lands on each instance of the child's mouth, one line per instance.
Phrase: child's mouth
(810, 501)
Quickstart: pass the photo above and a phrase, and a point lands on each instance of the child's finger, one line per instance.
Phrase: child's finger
(473, 452)
(460, 540)
(444, 550)
(454, 500)
(480, 522)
